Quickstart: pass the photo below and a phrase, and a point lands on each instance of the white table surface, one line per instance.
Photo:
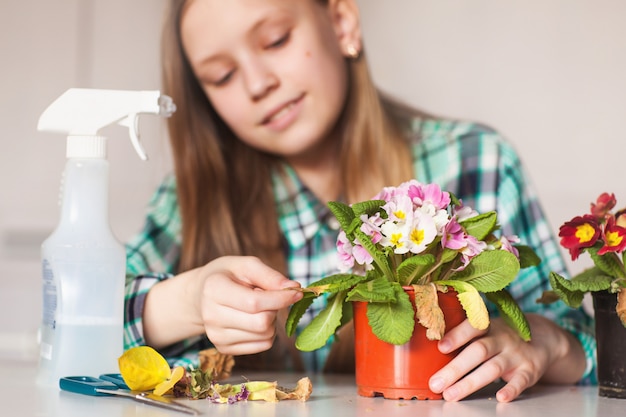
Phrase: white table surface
(332, 396)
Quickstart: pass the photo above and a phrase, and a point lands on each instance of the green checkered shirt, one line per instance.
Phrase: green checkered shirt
(469, 160)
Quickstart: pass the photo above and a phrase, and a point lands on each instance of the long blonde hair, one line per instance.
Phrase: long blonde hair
(224, 186)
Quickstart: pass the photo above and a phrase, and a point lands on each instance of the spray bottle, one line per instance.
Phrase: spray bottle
(83, 264)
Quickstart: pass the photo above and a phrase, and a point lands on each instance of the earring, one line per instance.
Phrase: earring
(352, 52)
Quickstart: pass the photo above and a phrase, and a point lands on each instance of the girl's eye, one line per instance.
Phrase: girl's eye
(223, 80)
(279, 42)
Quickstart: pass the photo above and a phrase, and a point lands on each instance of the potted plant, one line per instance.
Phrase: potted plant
(602, 234)
(411, 242)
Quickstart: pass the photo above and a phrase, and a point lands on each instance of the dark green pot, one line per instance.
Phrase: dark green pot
(611, 341)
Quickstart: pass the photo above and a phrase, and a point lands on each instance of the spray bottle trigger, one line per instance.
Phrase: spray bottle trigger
(133, 130)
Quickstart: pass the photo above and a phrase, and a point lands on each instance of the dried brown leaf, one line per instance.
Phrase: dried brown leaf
(428, 312)
(301, 392)
(317, 290)
(621, 306)
(217, 364)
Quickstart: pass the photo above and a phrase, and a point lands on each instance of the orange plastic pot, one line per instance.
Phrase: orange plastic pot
(401, 371)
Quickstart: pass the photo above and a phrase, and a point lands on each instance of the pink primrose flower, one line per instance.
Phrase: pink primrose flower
(464, 212)
(507, 244)
(453, 236)
(344, 252)
(362, 256)
(473, 248)
(371, 226)
(422, 194)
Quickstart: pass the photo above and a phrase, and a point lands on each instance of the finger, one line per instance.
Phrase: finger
(459, 336)
(480, 377)
(231, 336)
(223, 319)
(245, 348)
(471, 357)
(515, 386)
(257, 274)
(228, 328)
(226, 290)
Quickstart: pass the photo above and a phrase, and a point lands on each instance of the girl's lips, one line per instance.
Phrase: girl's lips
(281, 117)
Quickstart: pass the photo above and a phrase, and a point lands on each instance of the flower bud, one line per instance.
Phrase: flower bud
(603, 205)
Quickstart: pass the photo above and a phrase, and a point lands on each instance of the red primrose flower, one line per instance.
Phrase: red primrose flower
(579, 233)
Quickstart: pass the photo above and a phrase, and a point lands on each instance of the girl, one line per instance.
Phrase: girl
(277, 115)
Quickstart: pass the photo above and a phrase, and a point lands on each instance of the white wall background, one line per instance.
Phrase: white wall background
(550, 75)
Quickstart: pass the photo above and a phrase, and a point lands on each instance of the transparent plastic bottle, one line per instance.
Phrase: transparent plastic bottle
(83, 264)
(83, 272)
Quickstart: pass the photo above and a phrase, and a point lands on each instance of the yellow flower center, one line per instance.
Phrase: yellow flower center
(400, 214)
(395, 239)
(613, 239)
(417, 236)
(585, 232)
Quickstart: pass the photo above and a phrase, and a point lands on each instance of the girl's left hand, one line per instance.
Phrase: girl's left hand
(553, 356)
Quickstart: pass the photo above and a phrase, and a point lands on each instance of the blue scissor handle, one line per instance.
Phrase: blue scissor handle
(87, 385)
(116, 379)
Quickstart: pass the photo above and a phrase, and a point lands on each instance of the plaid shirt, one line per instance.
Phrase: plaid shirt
(469, 160)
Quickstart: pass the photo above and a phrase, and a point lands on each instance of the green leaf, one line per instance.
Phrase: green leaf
(572, 298)
(447, 255)
(454, 200)
(480, 226)
(343, 213)
(369, 207)
(380, 260)
(347, 314)
(414, 267)
(472, 303)
(335, 283)
(490, 270)
(511, 312)
(527, 256)
(296, 312)
(609, 263)
(392, 322)
(591, 279)
(378, 290)
(323, 326)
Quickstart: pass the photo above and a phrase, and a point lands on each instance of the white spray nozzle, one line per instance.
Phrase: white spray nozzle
(83, 112)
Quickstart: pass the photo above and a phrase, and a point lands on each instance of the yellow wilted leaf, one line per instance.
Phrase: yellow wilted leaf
(143, 368)
(621, 306)
(162, 388)
(475, 308)
(262, 390)
(428, 312)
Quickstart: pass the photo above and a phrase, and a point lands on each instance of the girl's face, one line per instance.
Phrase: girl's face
(274, 70)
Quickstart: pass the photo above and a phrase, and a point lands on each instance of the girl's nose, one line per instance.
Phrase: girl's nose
(259, 78)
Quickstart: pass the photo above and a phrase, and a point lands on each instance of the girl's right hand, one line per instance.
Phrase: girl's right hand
(239, 302)
(234, 300)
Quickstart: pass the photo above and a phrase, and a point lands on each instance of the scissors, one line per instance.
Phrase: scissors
(113, 384)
